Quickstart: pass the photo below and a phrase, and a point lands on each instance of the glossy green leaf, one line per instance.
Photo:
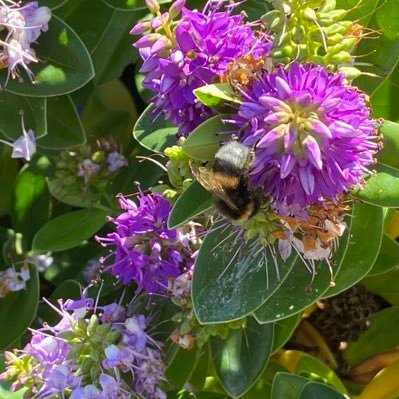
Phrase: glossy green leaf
(18, 309)
(109, 110)
(59, 190)
(53, 4)
(287, 386)
(364, 244)
(105, 32)
(389, 153)
(388, 257)
(379, 57)
(310, 364)
(379, 337)
(316, 390)
(64, 126)
(131, 5)
(217, 95)
(204, 141)
(69, 230)
(283, 329)
(179, 370)
(241, 357)
(31, 205)
(192, 202)
(232, 276)
(386, 285)
(154, 135)
(382, 189)
(70, 264)
(199, 374)
(65, 64)
(7, 394)
(34, 110)
(8, 174)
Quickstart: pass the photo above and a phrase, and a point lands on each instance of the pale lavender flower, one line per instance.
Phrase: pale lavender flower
(116, 161)
(42, 261)
(312, 134)
(11, 280)
(87, 169)
(25, 145)
(24, 24)
(54, 363)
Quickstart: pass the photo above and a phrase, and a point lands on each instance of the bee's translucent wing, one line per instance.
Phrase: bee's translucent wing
(212, 183)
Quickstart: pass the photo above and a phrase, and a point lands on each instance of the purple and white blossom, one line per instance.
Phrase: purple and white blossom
(24, 24)
(312, 134)
(146, 251)
(199, 49)
(55, 362)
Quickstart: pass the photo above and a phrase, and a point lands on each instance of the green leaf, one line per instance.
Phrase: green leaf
(109, 110)
(7, 394)
(105, 33)
(382, 189)
(362, 249)
(131, 5)
(8, 174)
(385, 285)
(18, 309)
(232, 276)
(379, 57)
(310, 364)
(53, 4)
(216, 95)
(179, 370)
(31, 205)
(240, 359)
(199, 374)
(34, 110)
(65, 64)
(377, 338)
(316, 390)
(69, 230)
(204, 141)
(70, 264)
(283, 329)
(388, 257)
(389, 153)
(288, 386)
(154, 135)
(64, 126)
(192, 202)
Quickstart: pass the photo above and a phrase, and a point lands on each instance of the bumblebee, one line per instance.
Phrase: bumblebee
(228, 181)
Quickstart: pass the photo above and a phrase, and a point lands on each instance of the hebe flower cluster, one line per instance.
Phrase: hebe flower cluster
(91, 353)
(194, 54)
(312, 134)
(23, 24)
(147, 252)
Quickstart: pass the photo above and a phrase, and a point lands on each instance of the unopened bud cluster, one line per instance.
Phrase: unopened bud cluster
(310, 30)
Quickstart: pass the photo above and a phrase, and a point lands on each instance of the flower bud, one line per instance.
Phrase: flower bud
(153, 6)
(140, 28)
(176, 8)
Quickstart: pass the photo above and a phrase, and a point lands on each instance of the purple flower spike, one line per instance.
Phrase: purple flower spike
(312, 134)
(147, 252)
(202, 46)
